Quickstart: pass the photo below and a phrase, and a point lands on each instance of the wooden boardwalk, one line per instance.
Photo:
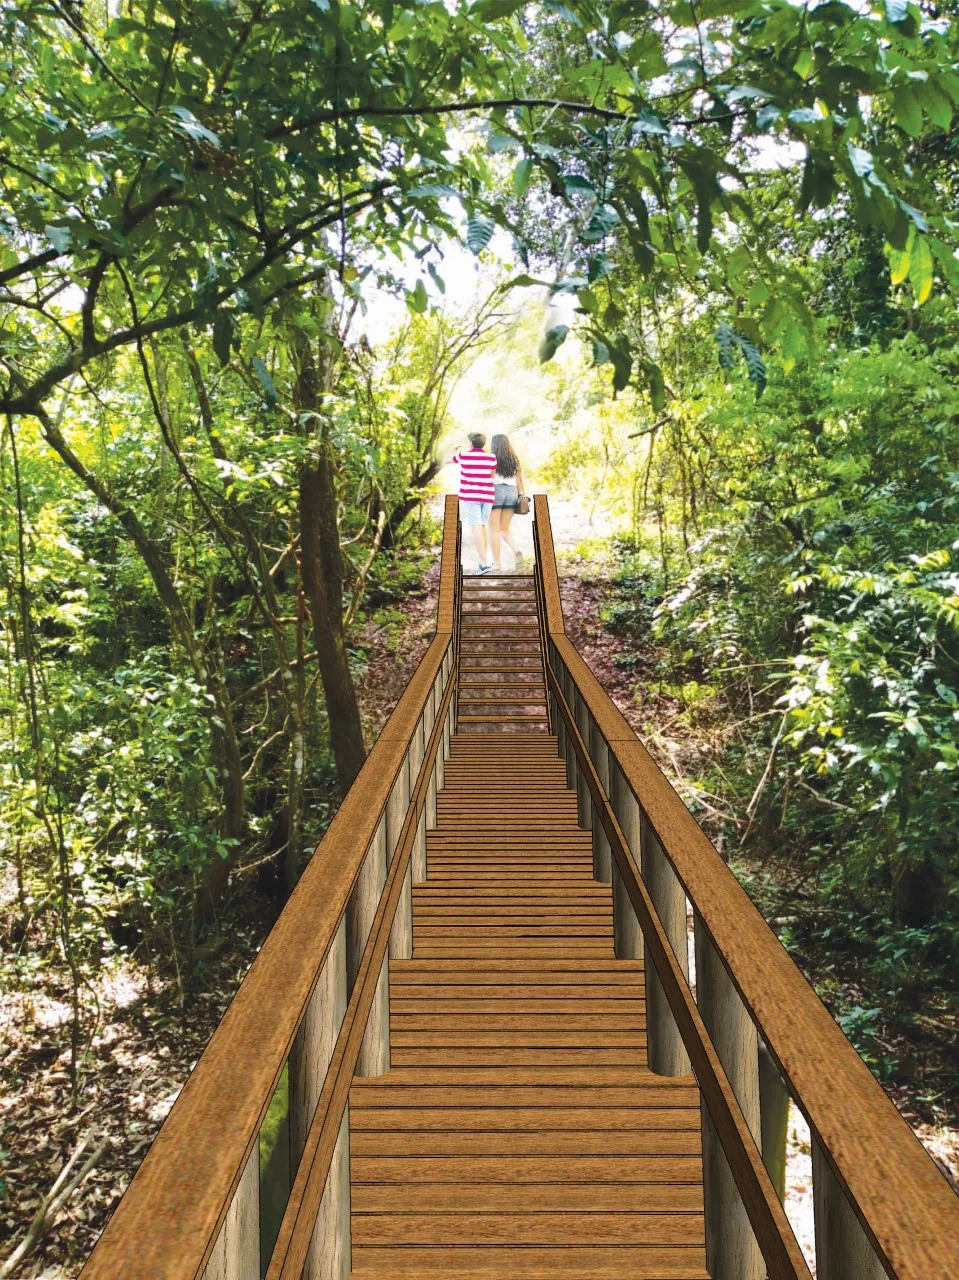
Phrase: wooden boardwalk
(518, 1132)
(496, 1116)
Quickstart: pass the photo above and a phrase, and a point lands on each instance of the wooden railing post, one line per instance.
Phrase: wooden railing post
(731, 1249)
(429, 721)
(401, 933)
(842, 1250)
(330, 1255)
(417, 748)
(438, 776)
(774, 1112)
(584, 802)
(567, 686)
(559, 725)
(236, 1254)
(627, 935)
(374, 1057)
(602, 855)
(667, 1054)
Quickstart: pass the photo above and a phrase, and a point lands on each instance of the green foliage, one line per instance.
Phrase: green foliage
(195, 208)
(728, 341)
(840, 504)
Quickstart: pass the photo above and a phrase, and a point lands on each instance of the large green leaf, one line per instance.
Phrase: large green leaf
(553, 339)
(522, 174)
(266, 380)
(907, 110)
(728, 341)
(479, 231)
(602, 222)
(418, 299)
(222, 336)
(920, 269)
(936, 104)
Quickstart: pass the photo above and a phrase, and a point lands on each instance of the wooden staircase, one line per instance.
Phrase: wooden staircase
(518, 1132)
(501, 686)
(472, 1083)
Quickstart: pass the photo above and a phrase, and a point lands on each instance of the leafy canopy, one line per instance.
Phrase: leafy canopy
(185, 164)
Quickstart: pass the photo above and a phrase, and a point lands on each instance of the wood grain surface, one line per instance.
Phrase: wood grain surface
(518, 1132)
(499, 643)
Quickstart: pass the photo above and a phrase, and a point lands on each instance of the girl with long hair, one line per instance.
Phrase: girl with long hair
(508, 485)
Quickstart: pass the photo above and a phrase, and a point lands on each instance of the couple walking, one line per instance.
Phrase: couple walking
(491, 485)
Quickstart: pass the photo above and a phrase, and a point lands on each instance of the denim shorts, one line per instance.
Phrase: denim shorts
(475, 512)
(507, 496)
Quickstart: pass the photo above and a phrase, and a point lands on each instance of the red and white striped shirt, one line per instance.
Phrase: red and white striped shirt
(476, 474)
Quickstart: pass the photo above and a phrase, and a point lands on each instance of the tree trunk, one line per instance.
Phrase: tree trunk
(323, 584)
(322, 570)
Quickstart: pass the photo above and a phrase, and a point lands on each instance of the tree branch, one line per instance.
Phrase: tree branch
(31, 397)
(440, 109)
(55, 1199)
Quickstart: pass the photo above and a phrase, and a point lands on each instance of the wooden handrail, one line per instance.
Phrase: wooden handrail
(781, 1253)
(906, 1207)
(296, 1229)
(167, 1223)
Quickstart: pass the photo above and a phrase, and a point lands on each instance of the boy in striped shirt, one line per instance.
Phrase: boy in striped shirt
(476, 492)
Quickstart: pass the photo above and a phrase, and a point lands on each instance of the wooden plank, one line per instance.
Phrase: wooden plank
(455, 906)
(493, 917)
(539, 992)
(518, 894)
(492, 911)
(521, 949)
(655, 1092)
(588, 934)
(547, 966)
(522, 847)
(523, 1119)
(519, 1169)
(544, 996)
(539, 1143)
(454, 879)
(408, 1035)
(589, 1057)
(563, 1074)
(537, 1013)
(484, 945)
(584, 1229)
(525, 747)
(520, 1031)
(683, 1262)
(550, 1197)
(476, 851)
(549, 900)
(553, 808)
(518, 718)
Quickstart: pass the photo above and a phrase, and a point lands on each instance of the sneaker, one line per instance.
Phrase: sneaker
(519, 559)
(485, 568)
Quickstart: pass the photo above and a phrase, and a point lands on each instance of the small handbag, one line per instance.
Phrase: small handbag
(522, 505)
